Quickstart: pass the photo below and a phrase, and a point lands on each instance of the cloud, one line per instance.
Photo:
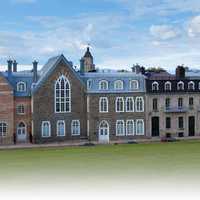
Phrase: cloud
(194, 27)
(23, 1)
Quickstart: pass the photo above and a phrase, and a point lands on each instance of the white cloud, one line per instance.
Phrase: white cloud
(194, 27)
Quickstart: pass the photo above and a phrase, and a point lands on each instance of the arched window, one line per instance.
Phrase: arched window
(134, 85)
(62, 95)
(3, 129)
(103, 104)
(75, 127)
(155, 86)
(21, 129)
(139, 104)
(120, 128)
(60, 128)
(119, 104)
(118, 85)
(129, 104)
(104, 128)
(89, 84)
(130, 127)
(20, 109)
(46, 129)
(168, 86)
(140, 127)
(180, 85)
(103, 85)
(191, 85)
(21, 86)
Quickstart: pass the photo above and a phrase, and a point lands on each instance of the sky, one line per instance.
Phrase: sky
(153, 33)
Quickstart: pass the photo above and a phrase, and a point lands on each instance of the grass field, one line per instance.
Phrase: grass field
(169, 159)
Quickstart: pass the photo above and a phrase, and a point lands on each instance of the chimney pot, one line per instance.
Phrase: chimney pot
(10, 62)
(35, 75)
(15, 66)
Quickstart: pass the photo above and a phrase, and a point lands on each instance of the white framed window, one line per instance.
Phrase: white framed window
(46, 129)
(21, 128)
(119, 85)
(168, 86)
(104, 128)
(120, 128)
(139, 104)
(103, 104)
(191, 85)
(75, 127)
(21, 86)
(20, 109)
(129, 104)
(155, 86)
(61, 128)
(139, 127)
(134, 85)
(62, 95)
(130, 128)
(180, 85)
(89, 84)
(3, 129)
(103, 85)
(119, 104)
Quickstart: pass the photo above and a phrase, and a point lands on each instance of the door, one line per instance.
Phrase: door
(155, 127)
(21, 132)
(104, 132)
(191, 126)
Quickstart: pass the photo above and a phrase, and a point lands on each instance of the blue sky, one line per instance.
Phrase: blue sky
(121, 33)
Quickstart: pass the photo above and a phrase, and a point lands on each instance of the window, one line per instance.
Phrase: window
(168, 86)
(191, 102)
(119, 104)
(155, 86)
(103, 85)
(20, 109)
(119, 85)
(155, 104)
(191, 85)
(3, 129)
(61, 128)
(130, 127)
(168, 122)
(89, 84)
(46, 129)
(129, 104)
(139, 104)
(21, 87)
(180, 86)
(167, 103)
(180, 123)
(104, 128)
(75, 127)
(140, 127)
(120, 130)
(62, 95)
(103, 104)
(180, 103)
(134, 85)
(21, 129)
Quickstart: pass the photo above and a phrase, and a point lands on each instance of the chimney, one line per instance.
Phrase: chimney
(10, 62)
(136, 69)
(35, 75)
(15, 66)
(180, 72)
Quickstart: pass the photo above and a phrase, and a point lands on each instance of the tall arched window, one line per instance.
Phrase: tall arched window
(139, 104)
(75, 127)
(180, 85)
(191, 85)
(129, 104)
(104, 128)
(119, 85)
(62, 95)
(134, 84)
(120, 128)
(103, 104)
(168, 86)
(130, 127)
(119, 104)
(46, 129)
(140, 127)
(3, 129)
(155, 86)
(21, 86)
(61, 128)
(103, 85)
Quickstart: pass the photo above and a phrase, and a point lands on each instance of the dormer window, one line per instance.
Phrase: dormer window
(168, 86)
(191, 85)
(89, 84)
(119, 85)
(180, 85)
(155, 86)
(21, 87)
(134, 85)
(103, 85)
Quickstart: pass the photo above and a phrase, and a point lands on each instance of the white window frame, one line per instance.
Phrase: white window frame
(133, 104)
(18, 86)
(43, 122)
(100, 102)
(6, 125)
(122, 134)
(88, 104)
(89, 84)
(142, 101)
(193, 85)
(170, 86)
(178, 85)
(118, 83)
(100, 85)
(116, 101)
(19, 106)
(133, 124)
(157, 86)
(57, 128)
(137, 84)
(79, 128)
(137, 121)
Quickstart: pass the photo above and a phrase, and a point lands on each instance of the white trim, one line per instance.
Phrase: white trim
(106, 101)
(117, 99)
(132, 121)
(18, 86)
(157, 86)
(137, 121)
(79, 127)
(178, 85)
(119, 121)
(88, 104)
(121, 83)
(88, 128)
(43, 122)
(57, 130)
(133, 104)
(107, 128)
(103, 81)
(170, 86)
(142, 101)
(137, 84)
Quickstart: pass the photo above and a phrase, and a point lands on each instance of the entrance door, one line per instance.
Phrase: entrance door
(191, 126)
(155, 127)
(104, 132)
(21, 132)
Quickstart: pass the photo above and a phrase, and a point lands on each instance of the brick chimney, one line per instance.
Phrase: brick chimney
(180, 72)
(10, 62)
(15, 66)
(35, 68)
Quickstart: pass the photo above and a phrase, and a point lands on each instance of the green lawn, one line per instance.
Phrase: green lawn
(169, 159)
